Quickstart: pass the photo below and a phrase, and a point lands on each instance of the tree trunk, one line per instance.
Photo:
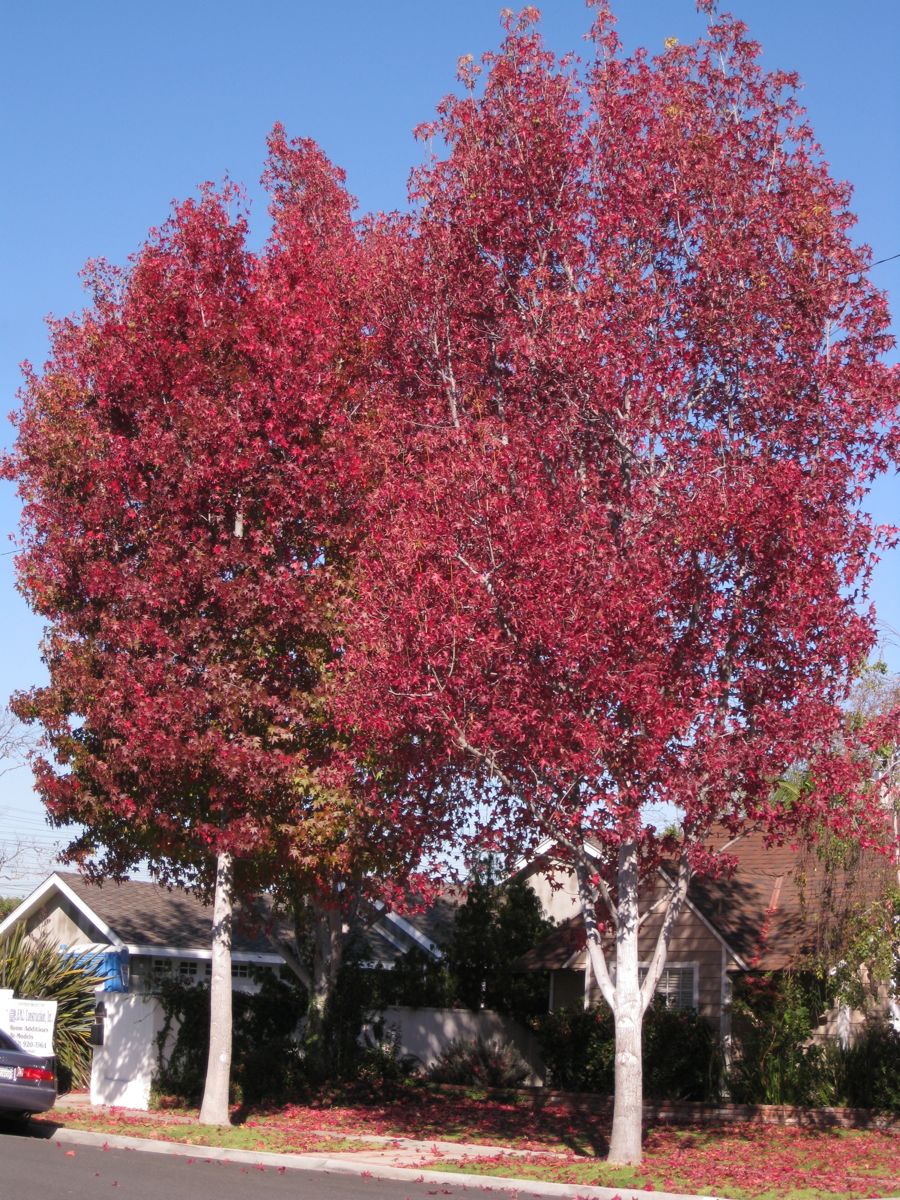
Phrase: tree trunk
(328, 947)
(214, 1109)
(625, 1141)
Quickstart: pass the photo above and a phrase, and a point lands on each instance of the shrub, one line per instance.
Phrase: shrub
(38, 970)
(380, 1066)
(869, 1070)
(681, 1054)
(774, 1061)
(266, 1058)
(578, 1049)
(480, 1063)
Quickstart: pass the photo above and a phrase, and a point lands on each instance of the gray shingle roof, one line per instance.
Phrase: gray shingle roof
(146, 914)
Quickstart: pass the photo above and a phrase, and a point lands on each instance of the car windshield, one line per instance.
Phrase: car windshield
(6, 1042)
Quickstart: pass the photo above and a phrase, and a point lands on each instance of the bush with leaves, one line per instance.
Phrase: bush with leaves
(36, 969)
(578, 1049)
(774, 1060)
(869, 1070)
(267, 1063)
(777, 1062)
(480, 1062)
(682, 1056)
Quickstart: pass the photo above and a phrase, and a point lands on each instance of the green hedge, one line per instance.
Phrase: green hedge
(682, 1057)
(266, 1060)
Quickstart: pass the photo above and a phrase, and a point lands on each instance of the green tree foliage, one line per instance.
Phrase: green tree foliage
(267, 1061)
(495, 926)
(417, 980)
(7, 905)
(37, 970)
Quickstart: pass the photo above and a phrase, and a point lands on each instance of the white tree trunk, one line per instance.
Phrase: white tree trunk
(626, 996)
(214, 1109)
(628, 1105)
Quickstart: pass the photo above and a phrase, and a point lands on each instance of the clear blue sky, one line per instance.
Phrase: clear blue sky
(110, 110)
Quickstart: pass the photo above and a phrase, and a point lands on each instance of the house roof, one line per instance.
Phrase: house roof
(561, 949)
(778, 904)
(149, 918)
(781, 901)
(429, 930)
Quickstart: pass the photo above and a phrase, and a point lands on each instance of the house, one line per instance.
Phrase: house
(140, 933)
(780, 905)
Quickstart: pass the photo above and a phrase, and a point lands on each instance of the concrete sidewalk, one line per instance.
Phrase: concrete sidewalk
(397, 1158)
(389, 1164)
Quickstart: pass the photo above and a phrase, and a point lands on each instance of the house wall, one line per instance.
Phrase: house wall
(692, 944)
(425, 1033)
(146, 972)
(60, 921)
(124, 1066)
(556, 891)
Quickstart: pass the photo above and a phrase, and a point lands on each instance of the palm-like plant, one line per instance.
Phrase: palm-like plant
(36, 969)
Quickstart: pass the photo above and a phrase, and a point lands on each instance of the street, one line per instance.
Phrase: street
(36, 1168)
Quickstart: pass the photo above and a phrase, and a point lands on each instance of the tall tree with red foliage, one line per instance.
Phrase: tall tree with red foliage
(178, 458)
(186, 464)
(626, 394)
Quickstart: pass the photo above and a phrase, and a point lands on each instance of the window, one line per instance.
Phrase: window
(241, 970)
(676, 986)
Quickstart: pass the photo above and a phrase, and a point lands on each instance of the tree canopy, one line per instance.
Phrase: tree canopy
(532, 508)
(628, 393)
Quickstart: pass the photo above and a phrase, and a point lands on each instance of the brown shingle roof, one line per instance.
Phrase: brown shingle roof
(781, 900)
(557, 949)
(778, 904)
(146, 914)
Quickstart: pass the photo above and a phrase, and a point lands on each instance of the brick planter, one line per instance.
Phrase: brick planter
(694, 1113)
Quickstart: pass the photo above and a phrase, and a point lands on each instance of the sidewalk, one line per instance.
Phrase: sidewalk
(400, 1158)
(391, 1158)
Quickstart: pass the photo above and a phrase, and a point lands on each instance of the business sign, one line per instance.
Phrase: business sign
(29, 1022)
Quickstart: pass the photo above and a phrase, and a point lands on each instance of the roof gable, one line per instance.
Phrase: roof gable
(144, 916)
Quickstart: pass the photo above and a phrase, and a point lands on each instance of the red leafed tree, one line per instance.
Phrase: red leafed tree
(179, 459)
(626, 396)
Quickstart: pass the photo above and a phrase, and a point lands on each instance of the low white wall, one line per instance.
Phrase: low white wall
(125, 1064)
(426, 1032)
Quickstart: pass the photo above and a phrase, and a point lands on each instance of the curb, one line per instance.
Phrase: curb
(340, 1166)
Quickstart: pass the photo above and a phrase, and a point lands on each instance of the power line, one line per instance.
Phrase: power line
(879, 261)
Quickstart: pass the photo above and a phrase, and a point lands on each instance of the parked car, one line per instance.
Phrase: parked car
(27, 1081)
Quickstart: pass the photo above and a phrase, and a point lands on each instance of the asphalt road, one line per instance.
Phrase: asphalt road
(35, 1168)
